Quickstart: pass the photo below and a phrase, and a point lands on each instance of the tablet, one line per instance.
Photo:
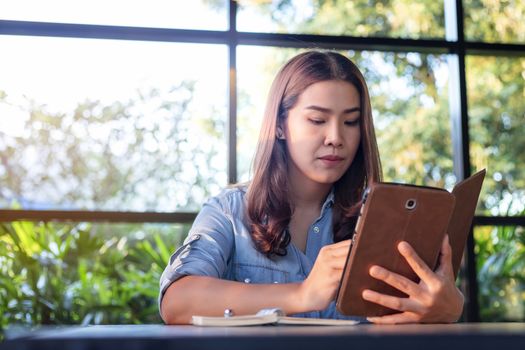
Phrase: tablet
(392, 213)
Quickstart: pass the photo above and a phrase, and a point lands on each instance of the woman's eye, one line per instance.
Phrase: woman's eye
(316, 121)
(352, 122)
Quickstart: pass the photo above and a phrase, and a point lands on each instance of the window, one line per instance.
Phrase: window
(404, 19)
(83, 273)
(409, 92)
(496, 91)
(138, 117)
(495, 21)
(500, 252)
(134, 13)
(111, 125)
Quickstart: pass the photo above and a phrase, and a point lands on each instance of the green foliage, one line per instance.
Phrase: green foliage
(399, 18)
(409, 98)
(146, 153)
(414, 105)
(500, 255)
(495, 20)
(496, 91)
(83, 273)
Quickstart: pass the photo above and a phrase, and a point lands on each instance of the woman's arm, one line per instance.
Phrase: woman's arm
(202, 295)
(199, 295)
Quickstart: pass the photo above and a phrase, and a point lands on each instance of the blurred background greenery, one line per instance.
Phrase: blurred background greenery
(84, 273)
(161, 145)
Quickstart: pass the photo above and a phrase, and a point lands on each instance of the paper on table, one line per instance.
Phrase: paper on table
(267, 317)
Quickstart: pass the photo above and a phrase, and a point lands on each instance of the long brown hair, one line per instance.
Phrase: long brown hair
(268, 206)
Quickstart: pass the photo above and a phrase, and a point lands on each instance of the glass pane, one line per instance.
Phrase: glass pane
(500, 253)
(195, 14)
(409, 97)
(410, 101)
(397, 18)
(83, 273)
(496, 101)
(495, 21)
(256, 68)
(111, 125)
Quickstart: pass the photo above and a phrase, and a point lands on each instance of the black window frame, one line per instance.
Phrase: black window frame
(453, 44)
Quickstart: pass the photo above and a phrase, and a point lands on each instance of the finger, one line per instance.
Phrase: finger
(416, 263)
(395, 280)
(403, 317)
(337, 264)
(445, 259)
(339, 251)
(334, 260)
(344, 242)
(334, 251)
(343, 245)
(394, 303)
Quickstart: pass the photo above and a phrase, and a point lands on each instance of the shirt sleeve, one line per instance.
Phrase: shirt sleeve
(207, 248)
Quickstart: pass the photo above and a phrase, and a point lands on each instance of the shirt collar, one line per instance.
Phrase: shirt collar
(329, 201)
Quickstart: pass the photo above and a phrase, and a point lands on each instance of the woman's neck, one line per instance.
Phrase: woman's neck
(308, 194)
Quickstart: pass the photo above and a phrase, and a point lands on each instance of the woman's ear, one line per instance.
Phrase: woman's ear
(280, 134)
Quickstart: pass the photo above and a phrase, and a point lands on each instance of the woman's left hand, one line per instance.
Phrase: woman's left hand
(435, 299)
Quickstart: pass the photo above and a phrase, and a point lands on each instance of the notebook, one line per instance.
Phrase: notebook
(273, 316)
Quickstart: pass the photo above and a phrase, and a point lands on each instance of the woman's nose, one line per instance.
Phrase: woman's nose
(333, 136)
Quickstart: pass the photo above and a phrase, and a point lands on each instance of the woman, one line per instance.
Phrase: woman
(282, 241)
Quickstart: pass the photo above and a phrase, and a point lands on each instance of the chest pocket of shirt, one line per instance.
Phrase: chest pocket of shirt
(251, 273)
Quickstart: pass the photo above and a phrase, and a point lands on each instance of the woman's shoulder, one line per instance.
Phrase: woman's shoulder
(231, 199)
(233, 192)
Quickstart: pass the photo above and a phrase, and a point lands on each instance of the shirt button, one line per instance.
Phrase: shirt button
(247, 280)
(316, 229)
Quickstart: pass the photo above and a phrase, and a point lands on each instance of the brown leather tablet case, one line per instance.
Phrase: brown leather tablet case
(393, 213)
(466, 193)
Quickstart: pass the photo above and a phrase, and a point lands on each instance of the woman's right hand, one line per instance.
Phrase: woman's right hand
(318, 290)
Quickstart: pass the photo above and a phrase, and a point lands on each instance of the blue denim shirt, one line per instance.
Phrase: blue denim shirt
(219, 245)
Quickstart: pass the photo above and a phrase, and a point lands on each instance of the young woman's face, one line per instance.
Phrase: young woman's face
(322, 132)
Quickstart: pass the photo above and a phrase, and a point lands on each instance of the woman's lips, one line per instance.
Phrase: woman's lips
(331, 160)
